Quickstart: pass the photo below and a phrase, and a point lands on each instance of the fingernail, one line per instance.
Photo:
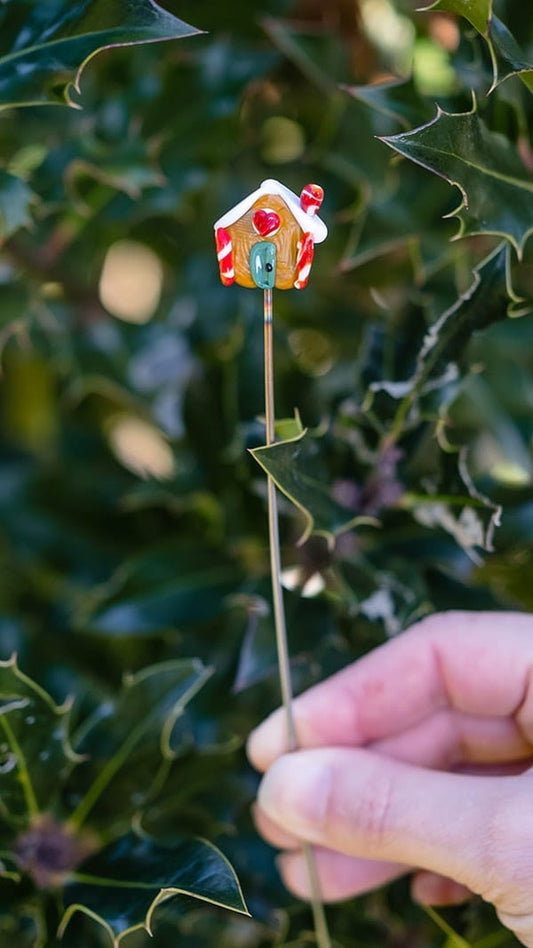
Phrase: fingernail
(295, 792)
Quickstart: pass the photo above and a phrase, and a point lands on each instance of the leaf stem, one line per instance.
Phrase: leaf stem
(319, 916)
(23, 773)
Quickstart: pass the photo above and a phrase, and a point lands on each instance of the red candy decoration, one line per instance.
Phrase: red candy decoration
(306, 249)
(266, 222)
(225, 256)
(311, 198)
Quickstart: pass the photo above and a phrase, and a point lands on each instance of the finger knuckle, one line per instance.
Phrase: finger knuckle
(371, 814)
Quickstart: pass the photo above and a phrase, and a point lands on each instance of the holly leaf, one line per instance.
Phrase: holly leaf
(15, 201)
(477, 12)
(288, 464)
(134, 729)
(471, 525)
(509, 59)
(496, 188)
(489, 298)
(35, 754)
(121, 886)
(57, 40)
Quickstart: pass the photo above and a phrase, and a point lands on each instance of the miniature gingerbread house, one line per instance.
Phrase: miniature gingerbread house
(268, 238)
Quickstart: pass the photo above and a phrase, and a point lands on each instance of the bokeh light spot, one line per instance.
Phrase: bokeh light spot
(131, 281)
(140, 447)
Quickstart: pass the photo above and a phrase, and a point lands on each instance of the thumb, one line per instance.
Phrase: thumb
(366, 805)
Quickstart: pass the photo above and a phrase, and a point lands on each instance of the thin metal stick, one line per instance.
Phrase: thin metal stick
(319, 916)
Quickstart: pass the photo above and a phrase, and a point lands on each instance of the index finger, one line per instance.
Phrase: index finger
(478, 663)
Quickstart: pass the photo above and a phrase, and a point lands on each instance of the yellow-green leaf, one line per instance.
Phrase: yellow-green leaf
(477, 12)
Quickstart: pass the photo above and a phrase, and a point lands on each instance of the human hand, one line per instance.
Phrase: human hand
(416, 758)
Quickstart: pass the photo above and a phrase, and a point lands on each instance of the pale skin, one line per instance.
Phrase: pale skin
(417, 758)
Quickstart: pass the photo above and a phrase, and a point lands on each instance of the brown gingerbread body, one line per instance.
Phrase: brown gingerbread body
(244, 237)
(271, 217)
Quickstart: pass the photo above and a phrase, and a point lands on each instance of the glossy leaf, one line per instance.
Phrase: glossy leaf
(140, 719)
(57, 41)
(121, 887)
(509, 58)
(105, 571)
(288, 463)
(34, 750)
(496, 188)
(489, 298)
(477, 12)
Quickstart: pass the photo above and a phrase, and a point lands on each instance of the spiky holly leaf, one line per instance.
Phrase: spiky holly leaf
(477, 12)
(57, 40)
(496, 188)
(471, 520)
(133, 730)
(509, 59)
(288, 464)
(489, 298)
(34, 750)
(122, 885)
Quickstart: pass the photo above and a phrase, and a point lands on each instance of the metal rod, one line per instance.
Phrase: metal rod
(319, 916)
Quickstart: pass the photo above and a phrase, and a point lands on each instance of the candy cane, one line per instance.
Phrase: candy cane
(225, 256)
(311, 198)
(306, 249)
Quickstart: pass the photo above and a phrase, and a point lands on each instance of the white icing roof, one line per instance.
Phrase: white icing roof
(308, 222)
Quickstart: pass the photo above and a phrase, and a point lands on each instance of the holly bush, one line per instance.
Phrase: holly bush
(136, 636)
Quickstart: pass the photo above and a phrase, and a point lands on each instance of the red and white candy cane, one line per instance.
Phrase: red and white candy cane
(225, 256)
(306, 249)
(311, 198)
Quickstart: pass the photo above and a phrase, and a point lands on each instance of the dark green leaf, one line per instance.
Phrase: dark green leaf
(122, 886)
(140, 720)
(34, 751)
(509, 58)
(496, 188)
(55, 44)
(489, 298)
(288, 463)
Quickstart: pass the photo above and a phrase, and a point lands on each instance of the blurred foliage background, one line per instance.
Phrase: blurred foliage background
(133, 524)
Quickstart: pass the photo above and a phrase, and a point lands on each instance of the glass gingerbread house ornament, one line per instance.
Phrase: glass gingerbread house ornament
(267, 240)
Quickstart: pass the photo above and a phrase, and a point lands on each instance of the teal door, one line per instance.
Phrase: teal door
(263, 264)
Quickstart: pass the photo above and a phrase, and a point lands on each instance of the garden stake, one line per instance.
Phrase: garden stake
(285, 262)
(321, 929)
